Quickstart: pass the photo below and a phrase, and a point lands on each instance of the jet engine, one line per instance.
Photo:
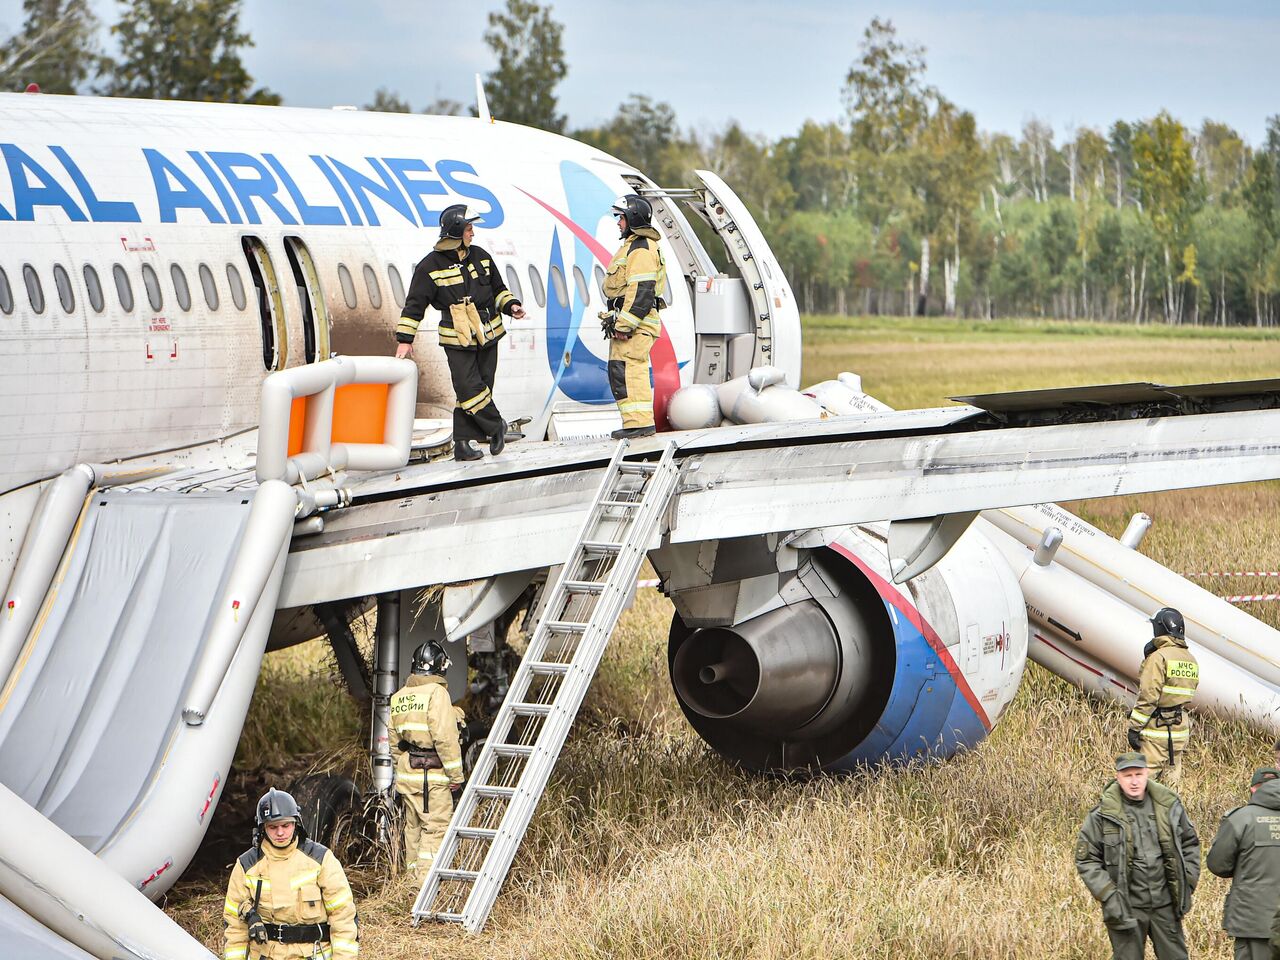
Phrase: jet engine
(799, 654)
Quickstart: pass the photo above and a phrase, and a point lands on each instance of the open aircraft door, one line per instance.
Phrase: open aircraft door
(760, 302)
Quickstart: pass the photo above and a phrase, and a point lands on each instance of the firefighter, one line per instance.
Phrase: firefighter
(1247, 850)
(288, 896)
(463, 282)
(1139, 857)
(1159, 725)
(637, 277)
(424, 726)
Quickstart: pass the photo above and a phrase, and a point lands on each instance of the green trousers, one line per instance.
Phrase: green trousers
(1164, 930)
(1252, 948)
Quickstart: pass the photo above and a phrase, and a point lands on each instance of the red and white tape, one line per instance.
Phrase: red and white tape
(1253, 598)
(648, 583)
(1232, 573)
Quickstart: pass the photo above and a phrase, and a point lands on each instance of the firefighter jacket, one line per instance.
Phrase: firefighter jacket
(464, 284)
(637, 277)
(1105, 848)
(421, 714)
(1166, 684)
(1247, 849)
(302, 883)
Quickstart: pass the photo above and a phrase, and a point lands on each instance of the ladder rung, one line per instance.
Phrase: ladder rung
(494, 792)
(601, 546)
(584, 586)
(531, 709)
(444, 917)
(475, 833)
(643, 468)
(568, 626)
(621, 503)
(548, 668)
(469, 876)
(512, 749)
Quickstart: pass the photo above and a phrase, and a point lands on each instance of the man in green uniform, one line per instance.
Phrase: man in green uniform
(462, 281)
(1139, 856)
(1247, 849)
(1159, 725)
(633, 287)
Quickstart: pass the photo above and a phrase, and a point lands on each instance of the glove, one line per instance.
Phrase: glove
(608, 319)
(257, 929)
(1135, 740)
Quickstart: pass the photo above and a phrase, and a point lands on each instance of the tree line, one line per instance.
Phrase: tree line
(901, 206)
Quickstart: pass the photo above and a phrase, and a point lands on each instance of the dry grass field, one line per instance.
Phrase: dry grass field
(647, 845)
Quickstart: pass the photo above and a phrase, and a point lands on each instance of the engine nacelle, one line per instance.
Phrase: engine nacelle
(836, 667)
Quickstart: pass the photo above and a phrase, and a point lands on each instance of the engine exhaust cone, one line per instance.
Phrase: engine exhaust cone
(771, 673)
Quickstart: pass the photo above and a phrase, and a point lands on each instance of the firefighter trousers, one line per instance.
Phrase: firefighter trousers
(629, 379)
(1157, 754)
(426, 817)
(475, 415)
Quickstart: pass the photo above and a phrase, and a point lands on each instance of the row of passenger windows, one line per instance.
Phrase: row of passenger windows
(66, 292)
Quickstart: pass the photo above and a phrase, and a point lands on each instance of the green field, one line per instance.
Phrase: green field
(647, 845)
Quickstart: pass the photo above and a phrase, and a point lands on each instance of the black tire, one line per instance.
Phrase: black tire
(323, 798)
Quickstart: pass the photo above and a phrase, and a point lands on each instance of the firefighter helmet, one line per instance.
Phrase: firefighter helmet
(430, 658)
(1169, 621)
(454, 220)
(637, 210)
(276, 805)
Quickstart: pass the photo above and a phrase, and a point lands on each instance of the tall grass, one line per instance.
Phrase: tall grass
(649, 845)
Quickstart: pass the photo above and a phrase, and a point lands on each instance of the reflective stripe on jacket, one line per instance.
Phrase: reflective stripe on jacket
(464, 284)
(303, 883)
(636, 279)
(422, 714)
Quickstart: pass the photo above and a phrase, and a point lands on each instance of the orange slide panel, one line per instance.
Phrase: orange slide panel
(360, 413)
(297, 420)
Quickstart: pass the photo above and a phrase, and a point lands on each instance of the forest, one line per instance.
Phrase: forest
(901, 206)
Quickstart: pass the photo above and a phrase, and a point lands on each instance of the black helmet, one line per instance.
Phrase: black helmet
(274, 806)
(430, 658)
(637, 210)
(1169, 621)
(454, 220)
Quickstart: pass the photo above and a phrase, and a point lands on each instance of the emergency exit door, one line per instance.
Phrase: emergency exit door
(275, 337)
(315, 315)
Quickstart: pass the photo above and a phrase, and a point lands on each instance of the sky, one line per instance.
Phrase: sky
(771, 65)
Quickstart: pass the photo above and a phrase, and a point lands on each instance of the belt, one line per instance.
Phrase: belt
(298, 932)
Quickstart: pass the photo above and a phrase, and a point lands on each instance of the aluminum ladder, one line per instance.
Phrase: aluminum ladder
(533, 722)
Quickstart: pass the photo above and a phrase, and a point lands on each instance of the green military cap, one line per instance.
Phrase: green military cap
(1264, 774)
(1128, 761)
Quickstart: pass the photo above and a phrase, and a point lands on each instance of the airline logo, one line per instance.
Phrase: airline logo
(234, 187)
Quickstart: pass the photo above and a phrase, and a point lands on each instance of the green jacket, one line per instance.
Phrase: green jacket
(1104, 850)
(1247, 849)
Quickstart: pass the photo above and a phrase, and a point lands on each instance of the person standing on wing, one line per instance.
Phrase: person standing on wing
(1159, 725)
(464, 284)
(636, 278)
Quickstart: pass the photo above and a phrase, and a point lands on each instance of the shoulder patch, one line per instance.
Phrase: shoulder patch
(249, 858)
(316, 851)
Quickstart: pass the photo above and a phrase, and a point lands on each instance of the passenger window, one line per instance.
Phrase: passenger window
(124, 289)
(371, 284)
(152, 284)
(35, 293)
(237, 286)
(513, 283)
(600, 280)
(397, 285)
(209, 286)
(562, 289)
(6, 295)
(348, 286)
(94, 286)
(580, 281)
(62, 282)
(180, 287)
(539, 291)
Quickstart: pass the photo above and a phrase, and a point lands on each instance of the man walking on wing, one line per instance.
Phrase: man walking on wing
(1247, 850)
(1139, 856)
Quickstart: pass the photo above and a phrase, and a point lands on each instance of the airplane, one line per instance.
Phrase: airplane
(197, 304)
